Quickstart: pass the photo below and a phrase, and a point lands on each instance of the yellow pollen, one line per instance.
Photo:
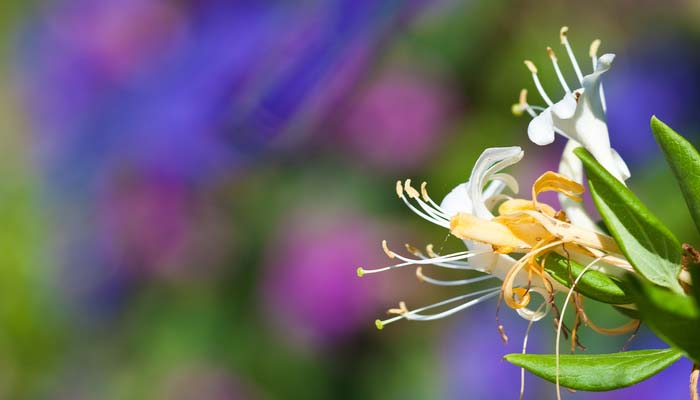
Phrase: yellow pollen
(412, 193)
(429, 250)
(379, 324)
(551, 54)
(360, 272)
(424, 191)
(521, 106)
(412, 249)
(531, 66)
(562, 34)
(399, 311)
(419, 274)
(388, 252)
(593, 50)
(399, 189)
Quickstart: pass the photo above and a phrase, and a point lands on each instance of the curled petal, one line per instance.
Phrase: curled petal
(457, 201)
(468, 227)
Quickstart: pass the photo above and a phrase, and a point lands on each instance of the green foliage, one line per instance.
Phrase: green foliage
(593, 284)
(597, 372)
(685, 164)
(649, 246)
(673, 317)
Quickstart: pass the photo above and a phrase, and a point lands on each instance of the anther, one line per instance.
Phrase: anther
(419, 274)
(531, 66)
(522, 99)
(388, 252)
(379, 324)
(562, 34)
(429, 250)
(399, 189)
(413, 250)
(360, 272)
(412, 193)
(551, 54)
(424, 191)
(593, 50)
(401, 310)
(502, 331)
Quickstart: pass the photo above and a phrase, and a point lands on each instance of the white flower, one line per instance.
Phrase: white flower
(476, 197)
(578, 116)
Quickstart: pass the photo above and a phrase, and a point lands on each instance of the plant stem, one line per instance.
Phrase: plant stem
(694, 374)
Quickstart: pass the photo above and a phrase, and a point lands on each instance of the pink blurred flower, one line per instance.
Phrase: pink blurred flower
(310, 286)
(397, 121)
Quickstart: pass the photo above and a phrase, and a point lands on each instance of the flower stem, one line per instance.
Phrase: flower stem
(694, 374)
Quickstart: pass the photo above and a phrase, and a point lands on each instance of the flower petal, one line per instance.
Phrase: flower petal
(457, 200)
(541, 128)
(566, 107)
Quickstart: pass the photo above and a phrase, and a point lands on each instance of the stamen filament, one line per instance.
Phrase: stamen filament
(555, 64)
(593, 52)
(531, 66)
(414, 316)
(565, 41)
(561, 321)
(439, 282)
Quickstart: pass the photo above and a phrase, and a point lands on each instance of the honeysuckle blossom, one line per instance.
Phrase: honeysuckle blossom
(579, 116)
(524, 227)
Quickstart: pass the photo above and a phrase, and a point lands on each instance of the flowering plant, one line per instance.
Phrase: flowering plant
(630, 260)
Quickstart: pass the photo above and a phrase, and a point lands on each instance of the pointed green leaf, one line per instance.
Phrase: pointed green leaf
(593, 284)
(597, 372)
(685, 164)
(649, 246)
(673, 317)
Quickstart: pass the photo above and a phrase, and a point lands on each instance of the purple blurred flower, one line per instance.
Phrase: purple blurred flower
(400, 111)
(658, 76)
(472, 357)
(178, 94)
(310, 289)
(188, 87)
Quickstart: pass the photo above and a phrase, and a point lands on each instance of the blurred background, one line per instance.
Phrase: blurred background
(187, 187)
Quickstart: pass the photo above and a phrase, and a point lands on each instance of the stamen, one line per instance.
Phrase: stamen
(527, 335)
(533, 70)
(415, 316)
(439, 282)
(522, 105)
(412, 193)
(399, 189)
(561, 320)
(429, 249)
(593, 52)
(431, 214)
(450, 261)
(555, 64)
(399, 311)
(388, 252)
(433, 210)
(565, 41)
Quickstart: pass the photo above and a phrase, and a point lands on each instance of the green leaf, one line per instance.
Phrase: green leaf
(673, 317)
(593, 284)
(685, 164)
(597, 372)
(649, 246)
